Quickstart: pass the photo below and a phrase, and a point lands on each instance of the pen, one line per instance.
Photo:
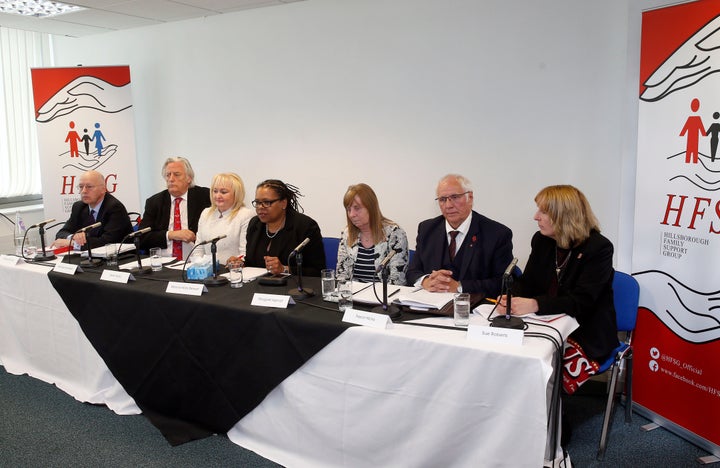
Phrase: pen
(493, 301)
(393, 293)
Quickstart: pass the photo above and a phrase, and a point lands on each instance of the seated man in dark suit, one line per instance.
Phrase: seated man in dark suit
(461, 250)
(95, 205)
(173, 214)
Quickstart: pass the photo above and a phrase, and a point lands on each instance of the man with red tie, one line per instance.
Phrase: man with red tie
(461, 250)
(173, 214)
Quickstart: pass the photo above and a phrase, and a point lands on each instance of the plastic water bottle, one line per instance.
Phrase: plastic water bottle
(19, 234)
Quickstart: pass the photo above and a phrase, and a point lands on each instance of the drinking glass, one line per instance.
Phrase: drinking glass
(345, 300)
(111, 255)
(155, 260)
(236, 274)
(461, 307)
(328, 283)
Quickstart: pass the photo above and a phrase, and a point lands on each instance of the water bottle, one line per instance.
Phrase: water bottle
(19, 234)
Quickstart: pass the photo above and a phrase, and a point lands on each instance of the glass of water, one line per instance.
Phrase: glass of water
(344, 291)
(461, 307)
(236, 274)
(328, 283)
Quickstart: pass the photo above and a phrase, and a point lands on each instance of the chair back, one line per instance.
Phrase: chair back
(626, 293)
(331, 245)
(135, 219)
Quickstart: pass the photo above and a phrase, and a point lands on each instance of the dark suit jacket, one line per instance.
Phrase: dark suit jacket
(113, 216)
(297, 227)
(584, 290)
(157, 215)
(487, 252)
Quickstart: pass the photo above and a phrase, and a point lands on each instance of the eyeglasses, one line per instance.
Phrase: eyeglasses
(264, 203)
(451, 198)
(81, 187)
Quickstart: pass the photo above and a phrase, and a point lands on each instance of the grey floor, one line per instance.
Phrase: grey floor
(41, 426)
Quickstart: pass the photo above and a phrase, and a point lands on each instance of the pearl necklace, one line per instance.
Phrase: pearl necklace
(267, 231)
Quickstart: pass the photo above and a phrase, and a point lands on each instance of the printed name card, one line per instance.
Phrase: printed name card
(188, 289)
(278, 301)
(67, 268)
(116, 276)
(9, 260)
(485, 334)
(368, 319)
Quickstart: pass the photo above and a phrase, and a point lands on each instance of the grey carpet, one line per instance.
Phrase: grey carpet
(41, 426)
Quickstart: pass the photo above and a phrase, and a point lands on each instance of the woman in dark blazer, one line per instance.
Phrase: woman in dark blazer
(278, 228)
(570, 271)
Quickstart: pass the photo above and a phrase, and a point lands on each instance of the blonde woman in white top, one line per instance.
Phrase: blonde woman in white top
(227, 215)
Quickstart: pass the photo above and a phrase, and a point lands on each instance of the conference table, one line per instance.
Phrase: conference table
(296, 385)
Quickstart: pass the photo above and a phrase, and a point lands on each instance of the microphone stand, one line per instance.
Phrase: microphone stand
(215, 280)
(90, 262)
(300, 293)
(392, 311)
(44, 256)
(507, 320)
(140, 269)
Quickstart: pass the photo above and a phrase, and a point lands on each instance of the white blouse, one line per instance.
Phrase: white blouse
(211, 225)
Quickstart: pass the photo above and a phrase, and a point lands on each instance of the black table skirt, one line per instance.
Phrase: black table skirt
(196, 365)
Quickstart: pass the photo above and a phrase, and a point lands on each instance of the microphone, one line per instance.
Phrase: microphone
(510, 268)
(139, 232)
(42, 224)
(87, 228)
(300, 246)
(507, 320)
(212, 241)
(385, 261)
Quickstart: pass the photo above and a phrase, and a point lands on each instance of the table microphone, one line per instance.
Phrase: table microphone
(299, 293)
(90, 262)
(44, 256)
(507, 320)
(392, 311)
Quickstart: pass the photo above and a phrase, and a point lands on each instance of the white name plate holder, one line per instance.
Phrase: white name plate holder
(188, 289)
(367, 319)
(67, 268)
(277, 301)
(9, 260)
(116, 276)
(485, 334)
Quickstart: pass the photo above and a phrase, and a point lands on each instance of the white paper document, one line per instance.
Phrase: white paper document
(422, 299)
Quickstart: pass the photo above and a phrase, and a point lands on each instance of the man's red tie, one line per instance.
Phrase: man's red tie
(177, 225)
(451, 248)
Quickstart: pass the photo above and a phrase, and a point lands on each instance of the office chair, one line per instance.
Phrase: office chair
(626, 292)
(331, 245)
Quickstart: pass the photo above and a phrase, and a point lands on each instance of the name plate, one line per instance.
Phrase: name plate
(188, 289)
(67, 268)
(278, 301)
(9, 260)
(367, 319)
(485, 334)
(116, 276)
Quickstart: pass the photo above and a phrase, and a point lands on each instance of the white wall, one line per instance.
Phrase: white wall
(396, 93)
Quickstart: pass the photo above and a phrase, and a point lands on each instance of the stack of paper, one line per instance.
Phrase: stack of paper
(421, 299)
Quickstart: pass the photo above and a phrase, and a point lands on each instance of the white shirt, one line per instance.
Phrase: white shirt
(211, 225)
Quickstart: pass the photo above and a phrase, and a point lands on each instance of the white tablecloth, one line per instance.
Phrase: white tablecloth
(408, 397)
(39, 337)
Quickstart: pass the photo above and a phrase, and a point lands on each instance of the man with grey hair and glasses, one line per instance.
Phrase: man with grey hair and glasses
(460, 250)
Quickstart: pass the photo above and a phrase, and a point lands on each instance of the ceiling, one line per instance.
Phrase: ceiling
(112, 15)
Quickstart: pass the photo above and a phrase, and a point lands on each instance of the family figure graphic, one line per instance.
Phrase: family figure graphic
(73, 138)
(694, 128)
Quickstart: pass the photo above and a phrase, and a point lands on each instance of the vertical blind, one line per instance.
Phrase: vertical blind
(19, 159)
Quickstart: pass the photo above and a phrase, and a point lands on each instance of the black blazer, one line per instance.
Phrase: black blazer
(297, 227)
(157, 215)
(487, 252)
(113, 216)
(584, 289)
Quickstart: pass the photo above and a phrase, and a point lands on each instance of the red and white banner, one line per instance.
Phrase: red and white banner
(677, 218)
(85, 121)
